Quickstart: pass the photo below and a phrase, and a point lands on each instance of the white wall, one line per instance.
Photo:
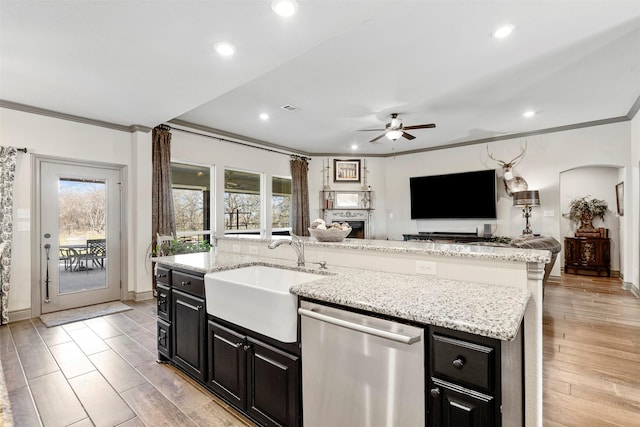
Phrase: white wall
(51, 137)
(547, 155)
(631, 219)
(376, 177)
(599, 183)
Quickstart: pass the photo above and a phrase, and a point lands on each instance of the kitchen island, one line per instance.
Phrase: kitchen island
(480, 308)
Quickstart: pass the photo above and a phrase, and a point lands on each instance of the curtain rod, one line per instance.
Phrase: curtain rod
(23, 150)
(241, 143)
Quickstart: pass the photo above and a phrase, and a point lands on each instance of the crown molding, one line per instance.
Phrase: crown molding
(70, 117)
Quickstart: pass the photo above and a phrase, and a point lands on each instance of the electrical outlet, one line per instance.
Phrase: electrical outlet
(237, 248)
(426, 267)
(253, 250)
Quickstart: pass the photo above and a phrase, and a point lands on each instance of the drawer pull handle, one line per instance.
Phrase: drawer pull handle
(246, 347)
(435, 393)
(459, 362)
(162, 275)
(185, 283)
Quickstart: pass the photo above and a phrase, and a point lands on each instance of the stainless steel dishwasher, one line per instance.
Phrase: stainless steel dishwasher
(360, 370)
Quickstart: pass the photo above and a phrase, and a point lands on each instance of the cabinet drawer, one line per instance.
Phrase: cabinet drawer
(463, 361)
(188, 283)
(163, 275)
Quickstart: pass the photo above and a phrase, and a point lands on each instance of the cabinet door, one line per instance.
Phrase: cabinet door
(227, 364)
(453, 406)
(164, 340)
(164, 302)
(188, 333)
(273, 384)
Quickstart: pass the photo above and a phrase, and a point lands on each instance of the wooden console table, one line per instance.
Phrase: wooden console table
(587, 254)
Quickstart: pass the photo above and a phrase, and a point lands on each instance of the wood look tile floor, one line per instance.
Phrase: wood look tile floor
(103, 372)
(591, 365)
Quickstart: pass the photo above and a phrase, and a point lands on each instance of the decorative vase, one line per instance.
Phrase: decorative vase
(586, 221)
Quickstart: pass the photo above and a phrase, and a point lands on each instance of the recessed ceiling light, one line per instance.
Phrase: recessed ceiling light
(354, 147)
(284, 8)
(224, 48)
(503, 31)
(264, 116)
(529, 113)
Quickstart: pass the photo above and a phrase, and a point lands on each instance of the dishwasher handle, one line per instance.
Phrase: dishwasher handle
(393, 336)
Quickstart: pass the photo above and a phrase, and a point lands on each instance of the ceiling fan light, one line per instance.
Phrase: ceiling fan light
(504, 31)
(393, 135)
(284, 8)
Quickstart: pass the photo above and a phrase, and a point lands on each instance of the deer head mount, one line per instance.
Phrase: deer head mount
(512, 181)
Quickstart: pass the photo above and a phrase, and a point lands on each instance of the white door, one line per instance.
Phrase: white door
(80, 235)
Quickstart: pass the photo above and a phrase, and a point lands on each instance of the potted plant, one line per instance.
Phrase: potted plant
(177, 247)
(583, 210)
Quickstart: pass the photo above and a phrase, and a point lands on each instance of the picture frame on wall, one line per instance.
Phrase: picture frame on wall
(346, 170)
(620, 198)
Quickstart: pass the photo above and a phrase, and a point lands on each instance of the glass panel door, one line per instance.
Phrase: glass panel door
(80, 224)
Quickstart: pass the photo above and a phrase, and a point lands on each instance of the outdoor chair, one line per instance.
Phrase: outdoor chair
(96, 252)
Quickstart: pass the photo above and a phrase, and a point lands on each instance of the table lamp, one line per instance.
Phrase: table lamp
(526, 199)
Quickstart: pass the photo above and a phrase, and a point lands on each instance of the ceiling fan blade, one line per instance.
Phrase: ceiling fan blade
(430, 125)
(367, 130)
(408, 136)
(377, 137)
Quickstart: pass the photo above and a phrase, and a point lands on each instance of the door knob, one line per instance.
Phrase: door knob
(459, 362)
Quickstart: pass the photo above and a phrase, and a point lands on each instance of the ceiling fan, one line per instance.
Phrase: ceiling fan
(394, 129)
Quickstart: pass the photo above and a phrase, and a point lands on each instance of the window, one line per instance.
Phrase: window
(280, 205)
(242, 198)
(191, 201)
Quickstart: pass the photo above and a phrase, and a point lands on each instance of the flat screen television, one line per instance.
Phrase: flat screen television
(466, 195)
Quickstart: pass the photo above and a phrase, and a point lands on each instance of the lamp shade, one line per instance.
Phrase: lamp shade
(394, 134)
(526, 198)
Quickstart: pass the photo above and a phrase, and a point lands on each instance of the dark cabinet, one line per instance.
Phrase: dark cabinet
(181, 320)
(164, 301)
(455, 406)
(259, 379)
(188, 333)
(587, 254)
(464, 379)
(227, 361)
(273, 385)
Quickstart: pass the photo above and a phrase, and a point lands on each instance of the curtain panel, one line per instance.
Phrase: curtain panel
(7, 175)
(300, 221)
(163, 217)
(163, 221)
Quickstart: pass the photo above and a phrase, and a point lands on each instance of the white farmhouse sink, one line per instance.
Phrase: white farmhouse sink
(257, 298)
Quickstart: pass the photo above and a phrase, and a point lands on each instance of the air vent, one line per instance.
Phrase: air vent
(290, 107)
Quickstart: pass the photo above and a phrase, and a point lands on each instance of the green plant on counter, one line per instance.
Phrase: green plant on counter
(178, 247)
(501, 239)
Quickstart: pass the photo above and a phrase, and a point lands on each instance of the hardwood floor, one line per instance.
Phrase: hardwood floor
(103, 372)
(591, 367)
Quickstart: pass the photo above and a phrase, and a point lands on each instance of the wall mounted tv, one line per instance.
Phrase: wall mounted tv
(467, 195)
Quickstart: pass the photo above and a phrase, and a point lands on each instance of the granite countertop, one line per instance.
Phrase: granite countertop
(462, 250)
(488, 310)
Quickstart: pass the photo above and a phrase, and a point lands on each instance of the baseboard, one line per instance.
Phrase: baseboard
(18, 315)
(614, 274)
(140, 296)
(628, 286)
